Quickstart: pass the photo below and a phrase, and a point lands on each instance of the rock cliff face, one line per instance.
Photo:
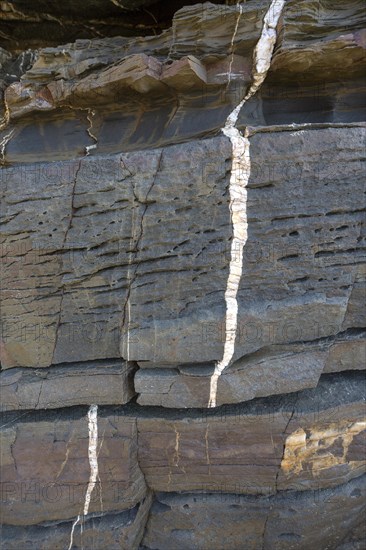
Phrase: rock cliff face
(183, 275)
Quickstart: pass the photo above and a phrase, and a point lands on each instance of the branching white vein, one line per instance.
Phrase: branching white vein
(239, 177)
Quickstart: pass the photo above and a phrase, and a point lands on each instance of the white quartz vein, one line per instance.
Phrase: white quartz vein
(239, 177)
(93, 463)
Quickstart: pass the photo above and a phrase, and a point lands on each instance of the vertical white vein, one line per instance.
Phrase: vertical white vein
(232, 43)
(3, 143)
(89, 131)
(92, 454)
(128, 327)
(72, 532)
(239, 177)
(93, 464)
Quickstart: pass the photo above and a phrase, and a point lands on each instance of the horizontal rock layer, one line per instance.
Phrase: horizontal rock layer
(268, 372)
(285, 521)
(249, 448)
(226, 521)
(118, 530)
(95, 90)
(310, 440)
(126, 261)
(118, 220)
(105, 382)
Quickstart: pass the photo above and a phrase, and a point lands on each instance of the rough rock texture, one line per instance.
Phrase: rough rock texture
(311, 439)
(108, 382)
(291, 520)
(122, 275)
(306, 442)
(127, 262)
(46, 468)
(118, 530)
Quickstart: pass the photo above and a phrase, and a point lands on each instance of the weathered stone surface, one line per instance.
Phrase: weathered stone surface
(309, 440)
(317, 70)
(321, 50)
(285, 257)
(319, 518)
(293, 254)
(119, 530)
(249, 448)
(84, 89)
(275, 370)
(46, 470)
(346, 354)
(305, 83)
(169, 257)
(101, 240)
(105, 382)
(125, 207)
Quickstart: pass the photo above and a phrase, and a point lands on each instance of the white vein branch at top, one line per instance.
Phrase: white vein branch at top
(239, 177)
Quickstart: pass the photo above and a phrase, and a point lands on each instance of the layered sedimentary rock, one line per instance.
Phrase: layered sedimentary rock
(119, 530)
(303, 441)
(128, 281)
(291, 520)
(125, 261)
(270, 454)
(46, 469)
(107, 382)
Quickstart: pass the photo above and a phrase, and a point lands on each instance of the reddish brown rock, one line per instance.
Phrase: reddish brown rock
(186, 73)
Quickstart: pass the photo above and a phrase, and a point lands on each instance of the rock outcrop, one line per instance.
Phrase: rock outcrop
(183, 275)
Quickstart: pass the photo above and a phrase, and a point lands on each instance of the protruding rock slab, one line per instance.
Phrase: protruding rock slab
(45, 466)
(138, 72)
(317, 71)
(275, 374)
(184, 74)
(301, 441)
(334, 46)
(102, 382)
(275, 370)
(310, 519)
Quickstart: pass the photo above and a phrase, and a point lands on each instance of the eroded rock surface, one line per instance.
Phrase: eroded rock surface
(303, 441)
(291, 520)
(118, 247)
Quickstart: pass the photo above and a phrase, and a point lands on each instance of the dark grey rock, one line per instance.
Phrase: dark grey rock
(324, 518)
(103, 382)
(119, 530)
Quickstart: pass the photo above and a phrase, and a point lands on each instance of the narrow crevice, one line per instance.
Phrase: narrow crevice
(135, 251)
(72, 211)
